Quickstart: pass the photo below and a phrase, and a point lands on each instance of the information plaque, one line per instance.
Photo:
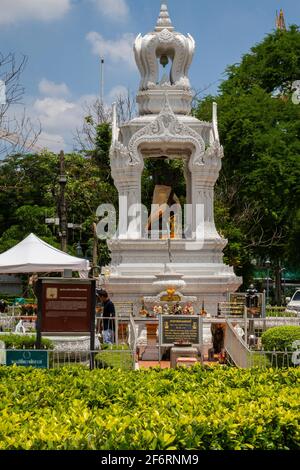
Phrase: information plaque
(66, 305)
(37, 359)
(179, 329)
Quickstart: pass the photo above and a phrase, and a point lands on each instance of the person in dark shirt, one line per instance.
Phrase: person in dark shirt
(109, 313)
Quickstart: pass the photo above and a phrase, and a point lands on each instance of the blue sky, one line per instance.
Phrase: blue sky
(63, 39)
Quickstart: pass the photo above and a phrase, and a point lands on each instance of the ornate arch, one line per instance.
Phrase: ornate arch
(166, 128)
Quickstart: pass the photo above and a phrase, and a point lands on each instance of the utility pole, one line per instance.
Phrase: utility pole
(63, 223)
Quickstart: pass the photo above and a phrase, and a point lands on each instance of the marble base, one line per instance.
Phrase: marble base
(177, 352)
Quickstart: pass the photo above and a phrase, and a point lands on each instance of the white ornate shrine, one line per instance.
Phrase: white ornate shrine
(165, 127)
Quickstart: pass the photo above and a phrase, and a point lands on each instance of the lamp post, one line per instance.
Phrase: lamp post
(79, 251)
(268, 264)
(62, 204)
(283, 274)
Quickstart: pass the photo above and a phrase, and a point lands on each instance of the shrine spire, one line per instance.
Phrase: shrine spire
(280, 20)
(164, 20)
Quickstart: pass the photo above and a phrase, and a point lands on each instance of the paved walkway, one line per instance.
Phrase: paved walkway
(167, 364)
(148, 364)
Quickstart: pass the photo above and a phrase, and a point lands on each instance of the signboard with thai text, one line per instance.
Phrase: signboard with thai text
(67, 306)
(32, 358)
(179, 329)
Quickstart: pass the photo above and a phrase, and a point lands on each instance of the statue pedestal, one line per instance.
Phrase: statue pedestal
(137, 263)
(177, 352)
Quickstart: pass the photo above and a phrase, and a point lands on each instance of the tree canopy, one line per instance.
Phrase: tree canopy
(258, 193)
(30, 194)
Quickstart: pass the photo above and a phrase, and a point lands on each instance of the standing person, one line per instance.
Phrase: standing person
(109, 314)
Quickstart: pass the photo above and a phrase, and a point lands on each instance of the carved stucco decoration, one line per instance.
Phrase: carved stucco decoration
(167, 43)
(180, 50)
(166, 128)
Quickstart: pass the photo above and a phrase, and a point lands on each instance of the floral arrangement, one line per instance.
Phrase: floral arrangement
(157, 310)
(175, 309)
(188, 310)
(144, 312)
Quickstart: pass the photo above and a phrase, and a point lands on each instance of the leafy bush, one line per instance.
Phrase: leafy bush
(280, 338)
(23, 342)
(214, 409)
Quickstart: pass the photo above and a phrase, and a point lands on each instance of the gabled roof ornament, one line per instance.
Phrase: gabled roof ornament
(164, 20)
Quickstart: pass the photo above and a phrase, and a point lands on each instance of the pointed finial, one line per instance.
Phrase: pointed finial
(280, 20)
(164, 20)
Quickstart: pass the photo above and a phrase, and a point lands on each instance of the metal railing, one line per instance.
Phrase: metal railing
(8, 323)
(236, 347)
(274, 359)
(278, 312)
(256, 327)
(114, 358)
(242, 356)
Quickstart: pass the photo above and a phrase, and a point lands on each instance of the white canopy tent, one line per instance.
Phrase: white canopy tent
(33, 255)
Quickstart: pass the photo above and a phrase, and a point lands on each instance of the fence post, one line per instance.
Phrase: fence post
(117, 329)
(246, 325)
(263, 309)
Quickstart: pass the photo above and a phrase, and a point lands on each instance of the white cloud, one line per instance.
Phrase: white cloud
(53, 110)
(46, 87)
(116, 10)
(120, 50)
(60, 118)
(13, 11)
(54, 142)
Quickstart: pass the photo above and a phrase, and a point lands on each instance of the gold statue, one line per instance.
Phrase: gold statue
(163, 196)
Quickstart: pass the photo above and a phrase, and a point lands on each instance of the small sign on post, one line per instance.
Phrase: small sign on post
(34, 358)
(66, 306)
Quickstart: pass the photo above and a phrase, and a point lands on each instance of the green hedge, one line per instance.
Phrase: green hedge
(213, 409)
(280, 338)
(279, 312)
(23, 342)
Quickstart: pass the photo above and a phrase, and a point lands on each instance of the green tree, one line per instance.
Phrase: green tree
(259, 190)
(100, 153)
(30, 193)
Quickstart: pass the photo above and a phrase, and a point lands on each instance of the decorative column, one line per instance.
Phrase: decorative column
(204, 176)
(188, 181)
(127, 173)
